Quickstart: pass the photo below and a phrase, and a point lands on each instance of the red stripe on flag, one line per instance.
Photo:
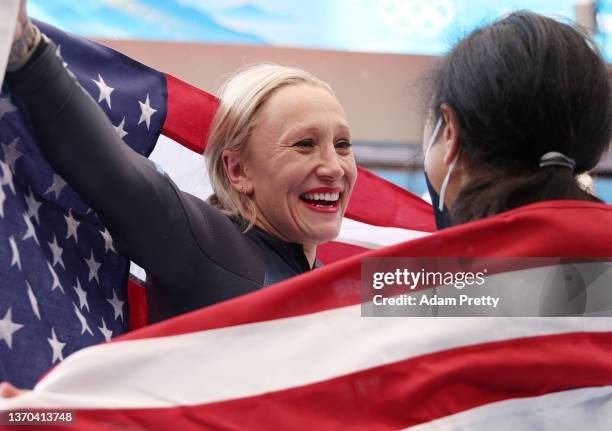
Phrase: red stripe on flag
(400, 394)
(379, 202)
(137, 304)
(334, 250)
(190, 114)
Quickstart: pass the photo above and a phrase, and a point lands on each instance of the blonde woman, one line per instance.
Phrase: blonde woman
(280, 162)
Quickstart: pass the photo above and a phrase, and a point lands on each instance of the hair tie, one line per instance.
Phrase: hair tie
(555, 158)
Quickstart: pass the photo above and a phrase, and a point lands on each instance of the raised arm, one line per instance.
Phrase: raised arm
(140, 205)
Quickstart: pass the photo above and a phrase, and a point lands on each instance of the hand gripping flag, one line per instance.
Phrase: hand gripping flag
(62, 285)
(298, 355)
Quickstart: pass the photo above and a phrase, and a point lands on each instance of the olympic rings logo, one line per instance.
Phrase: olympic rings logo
(421, 17)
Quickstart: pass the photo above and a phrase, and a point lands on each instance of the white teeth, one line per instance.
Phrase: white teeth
(322, 196)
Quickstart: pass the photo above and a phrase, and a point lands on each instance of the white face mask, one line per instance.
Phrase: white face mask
(432, 139)
(440, 200)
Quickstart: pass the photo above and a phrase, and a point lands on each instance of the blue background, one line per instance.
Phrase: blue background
(398, 26)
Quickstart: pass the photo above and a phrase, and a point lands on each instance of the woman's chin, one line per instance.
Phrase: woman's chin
(323, 235)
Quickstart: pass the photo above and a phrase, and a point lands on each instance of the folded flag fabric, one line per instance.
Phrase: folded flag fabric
(62, 285)
(300, 356)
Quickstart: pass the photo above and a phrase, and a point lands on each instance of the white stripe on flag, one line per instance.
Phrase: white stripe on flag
(369, 236)
(186, 168)
(558, 411)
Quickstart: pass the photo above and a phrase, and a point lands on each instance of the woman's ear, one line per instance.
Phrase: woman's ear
(451, 133)
(233, 163)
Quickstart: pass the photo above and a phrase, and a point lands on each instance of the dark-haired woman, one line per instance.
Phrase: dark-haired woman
(518, 109)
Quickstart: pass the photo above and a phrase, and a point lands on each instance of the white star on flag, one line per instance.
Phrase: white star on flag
(55, 284)
(105, 331)
(82, 296)
(57, 347)
(11, 153)
(117, 305)
(57, 252)
(71, 226)
(57, 186)
(146, 112)
(2, 199)
(105, 91)
(84, 325)
(120, 129)
(6, 106)
(33, 206)
(33, 300)
(15, 258)
(30, 232)
(7, 176)
(7, 328)
(108, 241)
(93, 267)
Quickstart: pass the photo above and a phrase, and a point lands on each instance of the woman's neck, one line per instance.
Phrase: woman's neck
(310, 250)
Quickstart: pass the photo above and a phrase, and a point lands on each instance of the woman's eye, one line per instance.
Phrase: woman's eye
(305, 143)
(343, 144)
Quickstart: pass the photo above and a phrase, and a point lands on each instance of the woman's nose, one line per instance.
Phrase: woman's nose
(330, 165)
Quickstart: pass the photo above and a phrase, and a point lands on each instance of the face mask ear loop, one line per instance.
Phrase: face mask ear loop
(446, 181)
(434, 135)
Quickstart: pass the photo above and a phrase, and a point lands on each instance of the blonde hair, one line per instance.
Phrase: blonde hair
(241, 96)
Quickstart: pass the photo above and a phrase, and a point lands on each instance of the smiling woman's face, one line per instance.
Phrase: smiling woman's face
(299, 165)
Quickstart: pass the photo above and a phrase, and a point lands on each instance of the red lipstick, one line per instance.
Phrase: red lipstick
(320, 204)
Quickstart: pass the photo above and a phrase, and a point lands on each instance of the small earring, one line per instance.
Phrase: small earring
(241, 188)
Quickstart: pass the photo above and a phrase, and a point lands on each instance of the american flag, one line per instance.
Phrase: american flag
(63, 286)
